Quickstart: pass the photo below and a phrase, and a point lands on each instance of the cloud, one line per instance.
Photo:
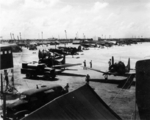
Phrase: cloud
(98, 6)
(40, 4)
(89, 17)
(112, 16)
(11, 4)
(66, 8)
(147, 5)
(133, 25)
(27, 4)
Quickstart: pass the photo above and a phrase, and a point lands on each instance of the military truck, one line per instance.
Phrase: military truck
(34, 69)
(32, 99)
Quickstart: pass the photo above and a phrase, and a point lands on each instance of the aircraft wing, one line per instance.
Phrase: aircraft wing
(125, 75)
(131, 72)
(105, 73)
(84, 45)
(65, 65)
(97, 70)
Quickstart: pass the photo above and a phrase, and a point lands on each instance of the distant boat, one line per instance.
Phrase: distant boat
(76, 42)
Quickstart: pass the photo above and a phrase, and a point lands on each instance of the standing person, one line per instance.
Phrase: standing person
(109, 62)
(66, 88)
(40, 54)
(6, 79)
(84, 64)
(13, 89)
(91, 64)
(87, 79)
(12, 79)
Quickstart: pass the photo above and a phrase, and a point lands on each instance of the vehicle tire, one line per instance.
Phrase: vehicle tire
(47, 76)
(20, 114)
(34, 76)
(53, 76)
(28, 75)
(112, 68)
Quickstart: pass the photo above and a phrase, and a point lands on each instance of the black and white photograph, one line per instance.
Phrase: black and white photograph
(74, 59)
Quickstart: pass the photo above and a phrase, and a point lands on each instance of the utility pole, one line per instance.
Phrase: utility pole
(4, 99)
(77, 35)
(18, 38)
(11, 36)
(66, 36)
(20, 35)
(42, 35)
(1, 38)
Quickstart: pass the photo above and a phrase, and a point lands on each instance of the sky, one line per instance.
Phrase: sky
(74, 18)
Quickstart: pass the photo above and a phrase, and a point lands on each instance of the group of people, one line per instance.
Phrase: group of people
(84, 63)
(9, 87)
(87, 78)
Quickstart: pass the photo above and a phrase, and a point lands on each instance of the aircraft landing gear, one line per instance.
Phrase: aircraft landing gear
(105, 76)
(47, 76)
(28, 75)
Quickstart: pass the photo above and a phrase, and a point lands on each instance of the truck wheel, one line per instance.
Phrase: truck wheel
(53, 76)
(47, 76)
(34, 76)
(28, 75)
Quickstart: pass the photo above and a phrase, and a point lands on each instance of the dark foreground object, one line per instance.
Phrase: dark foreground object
(33, 99)
(81, 104)
(143, 88)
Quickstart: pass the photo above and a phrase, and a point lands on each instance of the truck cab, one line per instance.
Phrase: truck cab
(32, 70)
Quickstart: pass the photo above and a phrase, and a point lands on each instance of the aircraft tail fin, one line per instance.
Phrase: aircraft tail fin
(128, 65)
(112, 60)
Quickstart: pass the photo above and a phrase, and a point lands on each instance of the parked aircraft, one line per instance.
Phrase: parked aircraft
(67, 50)
(126, 42)
(87, 45)
(117, 69)
(56, 62)
(106, 43)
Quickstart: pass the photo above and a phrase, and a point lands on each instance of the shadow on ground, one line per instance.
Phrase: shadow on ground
(121, 83)
(71, 74)
(42, 78)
